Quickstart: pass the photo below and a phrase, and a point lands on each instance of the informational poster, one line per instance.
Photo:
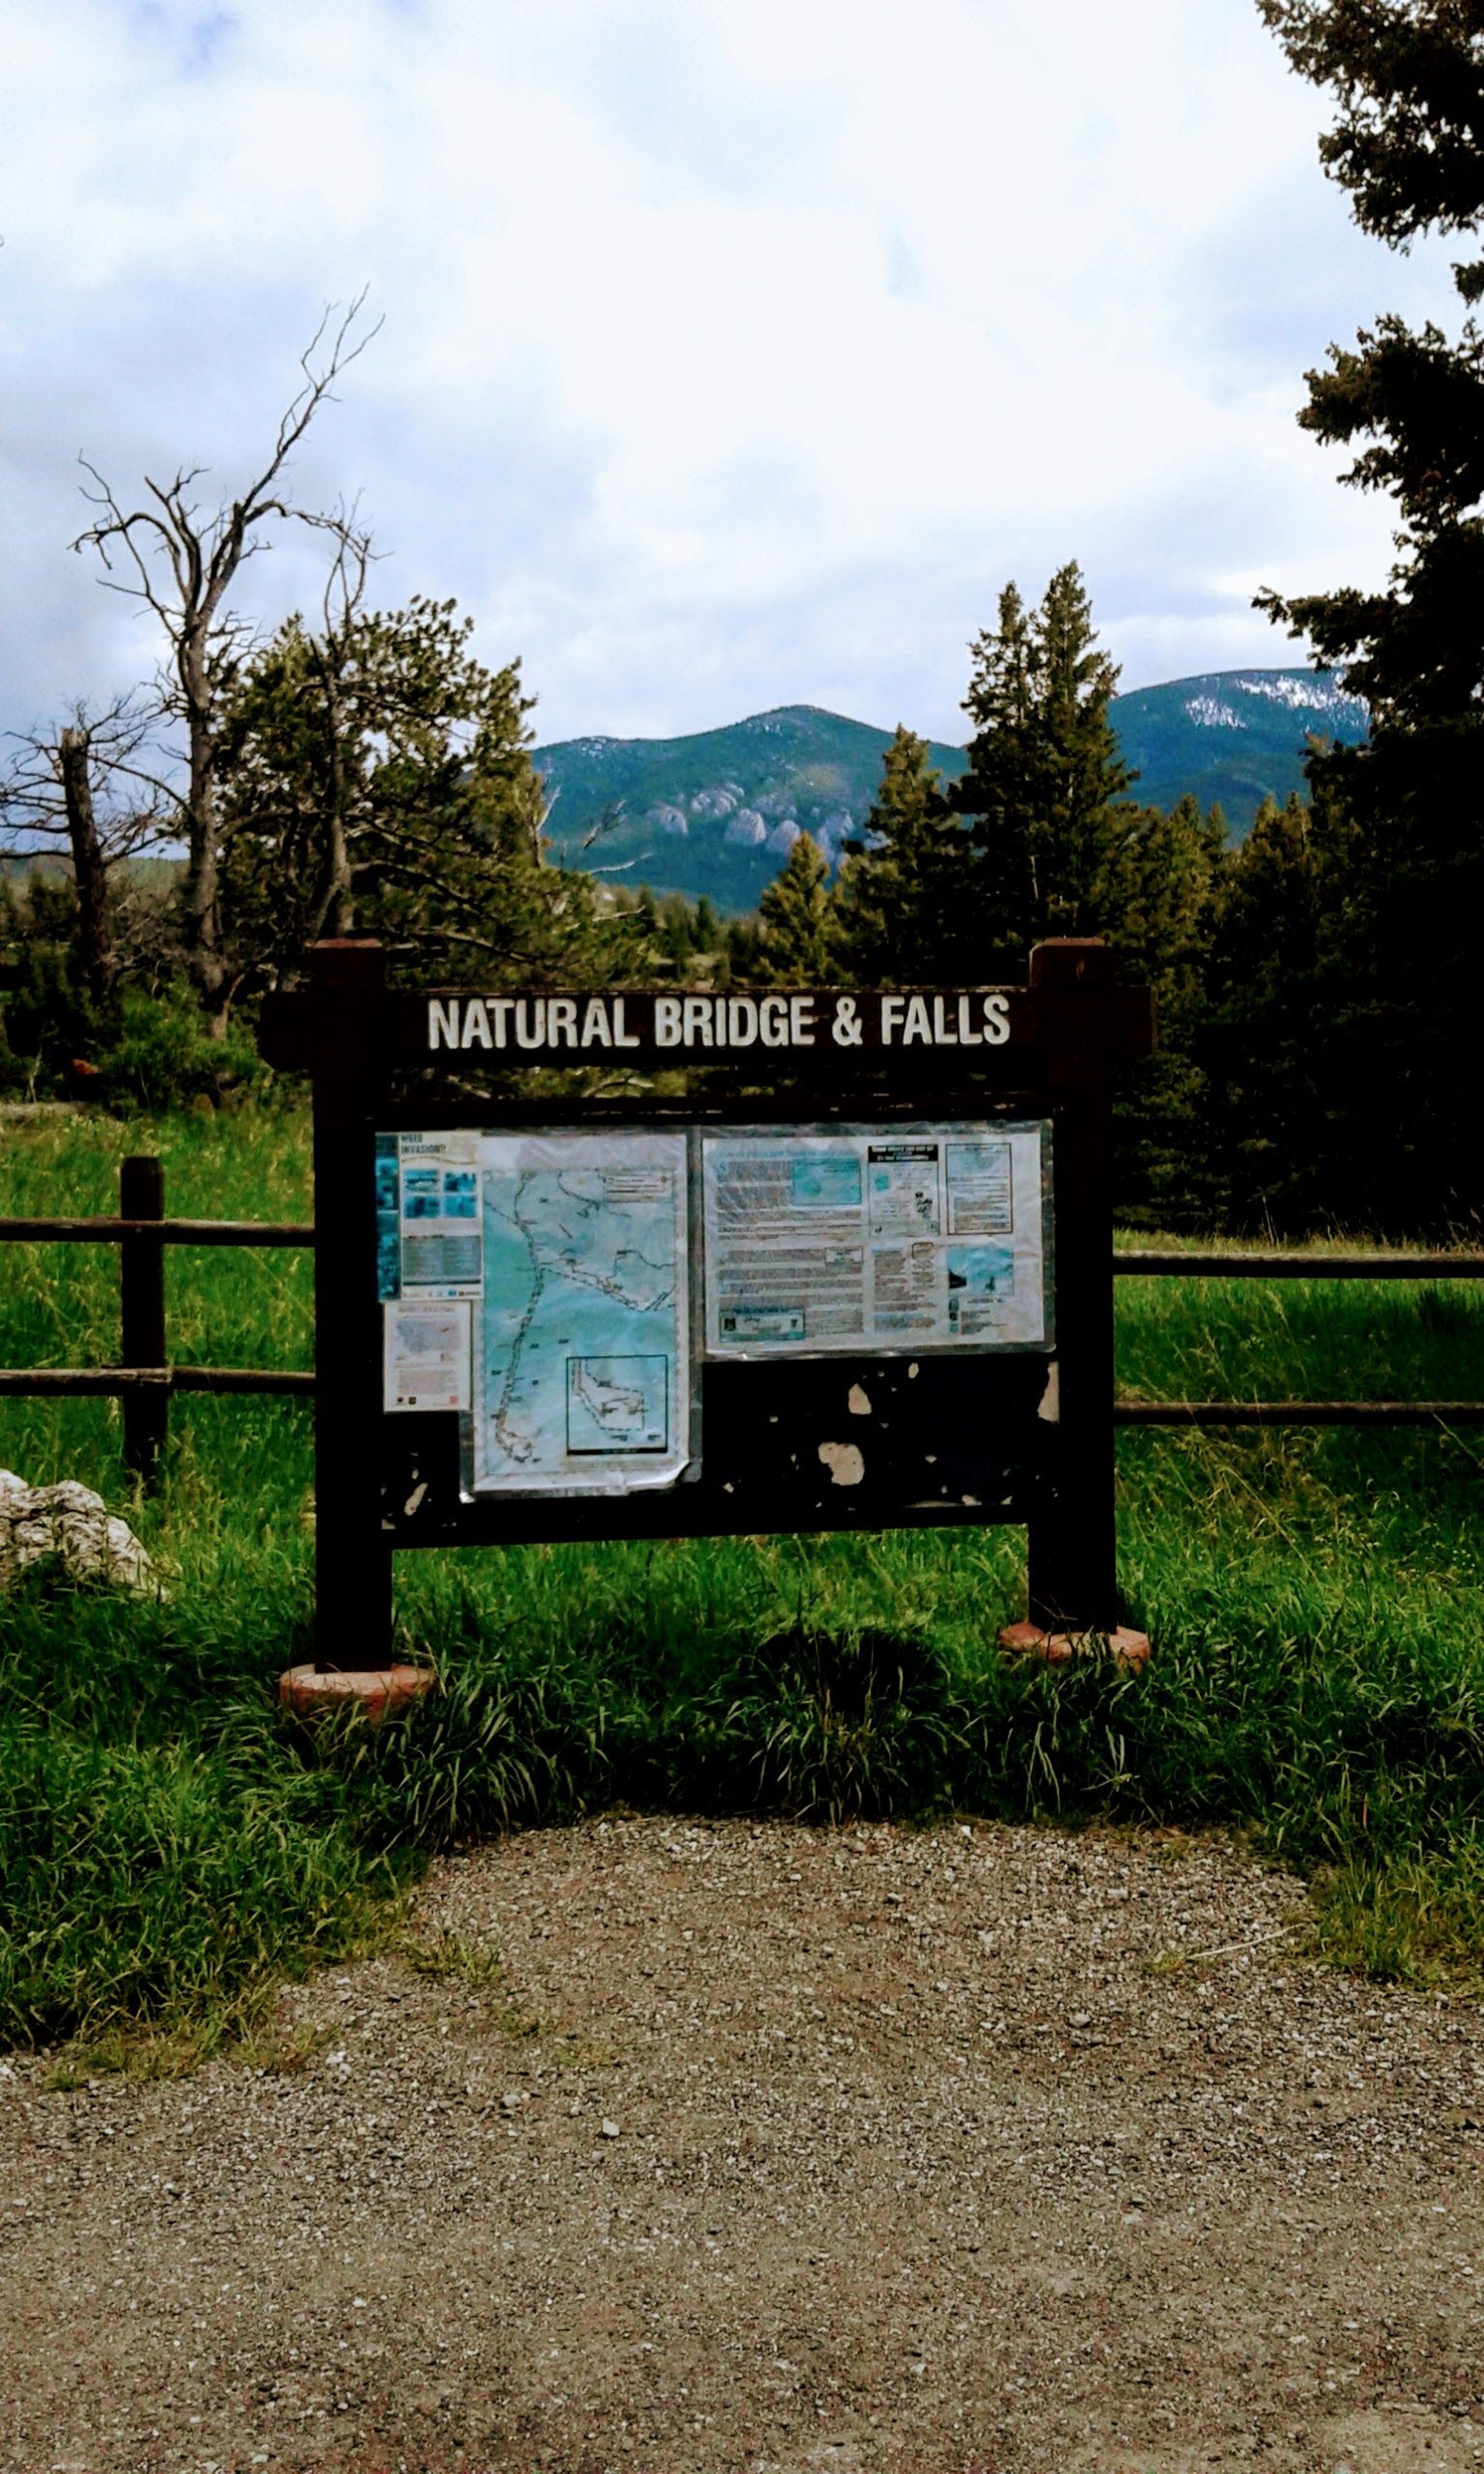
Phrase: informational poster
(429, 1236)
(540, 1282)
(428, 1355)
(875, 1240)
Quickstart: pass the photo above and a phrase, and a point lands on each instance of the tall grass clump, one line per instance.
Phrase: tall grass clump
(160, 1859)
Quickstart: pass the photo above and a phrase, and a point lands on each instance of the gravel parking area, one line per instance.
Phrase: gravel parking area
(959, 2151)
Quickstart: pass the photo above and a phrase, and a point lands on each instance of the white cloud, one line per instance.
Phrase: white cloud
(732, 357)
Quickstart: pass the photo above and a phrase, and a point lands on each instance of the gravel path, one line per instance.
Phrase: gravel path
(783, 2150)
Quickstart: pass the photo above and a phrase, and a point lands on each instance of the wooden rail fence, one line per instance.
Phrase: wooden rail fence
(144, 1380)
(1142, 1262)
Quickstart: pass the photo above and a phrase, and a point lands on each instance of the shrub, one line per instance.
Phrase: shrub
(159, 1054)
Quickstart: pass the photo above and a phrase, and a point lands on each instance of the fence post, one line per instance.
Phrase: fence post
(146, 1407)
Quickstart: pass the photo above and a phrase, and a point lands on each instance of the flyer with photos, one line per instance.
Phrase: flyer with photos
(881, 1239)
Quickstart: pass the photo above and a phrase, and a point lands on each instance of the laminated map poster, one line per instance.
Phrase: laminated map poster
(879, 1239)
(567, 1253)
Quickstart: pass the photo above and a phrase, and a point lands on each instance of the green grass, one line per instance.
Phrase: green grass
(169, 1846)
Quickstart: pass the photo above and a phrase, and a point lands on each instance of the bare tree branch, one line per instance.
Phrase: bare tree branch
(181, 565)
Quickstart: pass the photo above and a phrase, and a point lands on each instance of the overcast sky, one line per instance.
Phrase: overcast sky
(732, 356)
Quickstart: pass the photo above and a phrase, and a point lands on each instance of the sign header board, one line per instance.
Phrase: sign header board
(566, 1028)
(969, 1032)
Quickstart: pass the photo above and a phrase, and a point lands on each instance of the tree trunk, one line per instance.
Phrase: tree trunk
(89, 868)
(330, 911)
(200, 914)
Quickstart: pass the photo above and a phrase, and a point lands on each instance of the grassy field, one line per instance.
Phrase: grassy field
(168, 1847)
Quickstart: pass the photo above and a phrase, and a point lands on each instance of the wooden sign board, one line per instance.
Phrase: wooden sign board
(971, 1032)
(776, 1301)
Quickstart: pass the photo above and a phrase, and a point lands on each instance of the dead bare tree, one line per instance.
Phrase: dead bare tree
(345, 591)
(182, 563)
(92, 786)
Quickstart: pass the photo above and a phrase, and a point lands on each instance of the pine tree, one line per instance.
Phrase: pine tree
(1164, 882)
(1408, 1056)
(48, 1015)
(1265, 1043)
(901, 893)
(799, 918)
(1044, 779)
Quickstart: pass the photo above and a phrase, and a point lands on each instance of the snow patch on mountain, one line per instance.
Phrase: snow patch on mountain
(1307, 696)
(1211, 714)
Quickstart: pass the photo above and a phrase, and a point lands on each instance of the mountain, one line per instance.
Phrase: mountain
(716, 813)
(1236, 736)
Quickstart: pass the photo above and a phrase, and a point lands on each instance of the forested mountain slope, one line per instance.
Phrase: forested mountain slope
(715, 813)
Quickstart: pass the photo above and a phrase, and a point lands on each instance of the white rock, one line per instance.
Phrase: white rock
(71, 1522)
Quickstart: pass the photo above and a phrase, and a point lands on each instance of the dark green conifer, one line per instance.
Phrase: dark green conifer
(1163, 885)
(1406, 898)
(1263, 1043)
(903, 891)
(1045, 780)
(799, 918)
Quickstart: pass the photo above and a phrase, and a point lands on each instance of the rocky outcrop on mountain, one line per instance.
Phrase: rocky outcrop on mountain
(719, 799)
(833, 831)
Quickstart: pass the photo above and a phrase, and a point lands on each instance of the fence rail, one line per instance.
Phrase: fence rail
(1140, 1262)
(1299, 1413)
(162, 1232)
(144, 1380)
(80, 1381)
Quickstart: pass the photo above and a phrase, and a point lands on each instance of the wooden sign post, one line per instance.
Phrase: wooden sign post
(882, 1358)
